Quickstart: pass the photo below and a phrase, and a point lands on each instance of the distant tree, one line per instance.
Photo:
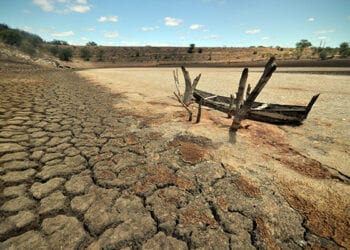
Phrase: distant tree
(191, 48)
(11, 37)
(54, 50)
(65, 54)
(58, 42)
(303, 44)
(344, 49)
(3, 26)
(85, 54)
(200, 50)
(91, 43)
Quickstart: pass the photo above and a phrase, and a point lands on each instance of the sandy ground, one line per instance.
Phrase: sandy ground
(309, 163)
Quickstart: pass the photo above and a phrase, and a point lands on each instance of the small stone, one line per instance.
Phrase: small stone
(31, 240)
(82, 203)
(64, 232)
(53, 203)
(10, 147)
(50, 156)
(63, 170)
(18, 221)
(54, 141)
(18, 204)
(36, 155)
(40, 190)
(78, 184)
(15, 191)
(18, 165)
(14, 156)
(38, 134)
(161, 241)
(71, 151)
(17, 176)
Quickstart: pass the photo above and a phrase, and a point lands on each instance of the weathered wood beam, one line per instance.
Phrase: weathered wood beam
(270, 67)
(241, 88)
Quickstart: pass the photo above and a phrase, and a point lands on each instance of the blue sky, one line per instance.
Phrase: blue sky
(238, 23)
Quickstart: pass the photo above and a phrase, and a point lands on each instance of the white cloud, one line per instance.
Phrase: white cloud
(112, 19)
(253, 31)
(196, 26)
(26, 11)
(27, 28)
(63, 6)
(265, 38)
(171, 21)
(90, 29)
(84, 38)
(311, 19)
(46, 5)
(211, 37)
(63, 34)
(79, 8)
(111, 34)
(324, 31)
(322, 38)
(150, 28)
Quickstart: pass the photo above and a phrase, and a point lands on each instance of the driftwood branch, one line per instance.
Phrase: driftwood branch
(270, 67)
(230, 108)
(185, 106)
(177, 83)
(189, 86)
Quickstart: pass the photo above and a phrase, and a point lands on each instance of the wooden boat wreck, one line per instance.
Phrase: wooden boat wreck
(265, 112)
(244, 105)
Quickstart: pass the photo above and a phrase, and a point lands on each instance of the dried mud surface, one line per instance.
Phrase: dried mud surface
(87, 167)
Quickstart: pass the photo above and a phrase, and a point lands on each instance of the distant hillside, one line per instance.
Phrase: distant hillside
(60, 53)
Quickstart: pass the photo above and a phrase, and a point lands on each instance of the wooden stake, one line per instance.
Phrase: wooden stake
(199, 114)
(241, 88)
(270, 67)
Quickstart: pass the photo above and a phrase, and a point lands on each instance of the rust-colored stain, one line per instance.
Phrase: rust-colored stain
(196, 215)
(154, 135)
(131, 140)
(264, 234)
(328, 223)
(193, 149)
(273, 138)
(161, 176)
(247, 187)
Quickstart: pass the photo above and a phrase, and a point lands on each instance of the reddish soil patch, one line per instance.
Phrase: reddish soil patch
(326, 222)
(264, 234)
(247, 187)
(273, 139)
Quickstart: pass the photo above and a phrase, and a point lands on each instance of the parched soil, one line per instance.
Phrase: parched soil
(112, 163)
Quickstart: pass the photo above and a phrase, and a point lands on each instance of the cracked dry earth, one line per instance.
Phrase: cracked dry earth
(76, 173)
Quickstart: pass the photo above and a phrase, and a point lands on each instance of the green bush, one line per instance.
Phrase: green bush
(11, 37)
(91, 43)
(323, 55)
(344, 49)
(85, 54)
(100, 55)
(54, 50)
(191, 48)
(65, 54)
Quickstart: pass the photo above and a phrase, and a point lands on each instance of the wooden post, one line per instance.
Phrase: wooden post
(189, 86)
(241, 88)
(199, 114)
(230, 109)
(270, 67)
